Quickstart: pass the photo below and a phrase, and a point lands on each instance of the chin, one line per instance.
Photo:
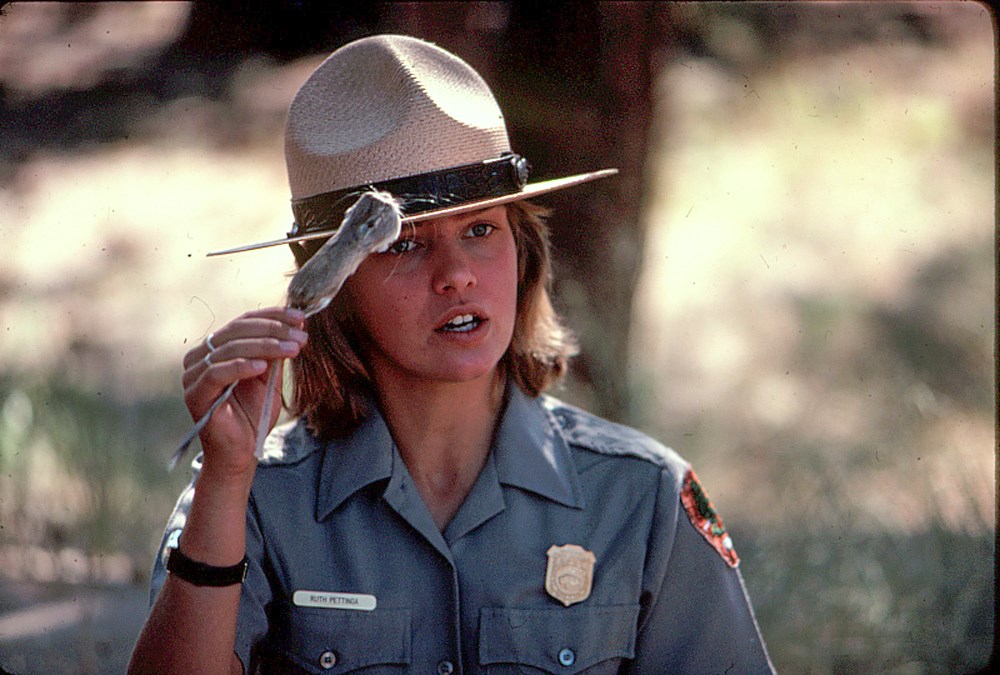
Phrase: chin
(463, 373)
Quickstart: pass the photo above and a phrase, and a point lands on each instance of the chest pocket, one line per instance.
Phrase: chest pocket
(330, 641)
(581, 639)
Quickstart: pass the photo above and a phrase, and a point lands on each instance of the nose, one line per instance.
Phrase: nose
(452, 269)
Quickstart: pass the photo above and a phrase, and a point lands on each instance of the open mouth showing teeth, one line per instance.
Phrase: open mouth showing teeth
(462, 323)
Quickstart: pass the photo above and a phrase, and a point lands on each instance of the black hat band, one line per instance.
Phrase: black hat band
(499, 177)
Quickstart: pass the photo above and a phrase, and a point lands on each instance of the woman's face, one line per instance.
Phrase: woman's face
(440, 305)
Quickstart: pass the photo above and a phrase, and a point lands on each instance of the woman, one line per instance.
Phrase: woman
(428, 510)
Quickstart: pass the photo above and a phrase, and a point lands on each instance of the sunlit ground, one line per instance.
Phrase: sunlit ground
(814, 331)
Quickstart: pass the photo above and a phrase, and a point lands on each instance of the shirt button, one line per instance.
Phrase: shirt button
(327, 660)
(567, 657)
(446, 668)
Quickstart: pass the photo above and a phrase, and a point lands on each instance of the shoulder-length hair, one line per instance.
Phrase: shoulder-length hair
(332, 387)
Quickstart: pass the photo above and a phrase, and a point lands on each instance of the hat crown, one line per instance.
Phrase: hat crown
(385, 107)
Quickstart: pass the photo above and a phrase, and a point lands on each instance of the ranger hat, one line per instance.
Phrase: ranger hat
(398, 114)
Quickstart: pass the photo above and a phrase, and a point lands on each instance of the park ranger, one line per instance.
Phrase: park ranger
(429, 508)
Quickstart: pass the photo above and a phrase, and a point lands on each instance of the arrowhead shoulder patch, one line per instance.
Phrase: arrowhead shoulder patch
(705, 519)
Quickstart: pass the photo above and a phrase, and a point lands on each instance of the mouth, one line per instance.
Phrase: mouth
(463, 323)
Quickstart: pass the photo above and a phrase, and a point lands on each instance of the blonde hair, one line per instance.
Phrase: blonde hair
(331, 385)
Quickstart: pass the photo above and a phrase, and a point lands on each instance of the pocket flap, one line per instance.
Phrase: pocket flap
(557, 640)
(339, 641)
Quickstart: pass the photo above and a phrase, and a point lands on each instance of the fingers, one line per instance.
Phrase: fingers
(281, 324)
(242, 350)
(227, 362)
(211, 380)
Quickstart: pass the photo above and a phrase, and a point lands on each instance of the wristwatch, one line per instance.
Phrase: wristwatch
(200, 574)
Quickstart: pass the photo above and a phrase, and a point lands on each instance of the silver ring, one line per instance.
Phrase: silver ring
(207, 359)
(208, 341)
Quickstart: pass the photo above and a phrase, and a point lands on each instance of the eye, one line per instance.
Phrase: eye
(480, 230)
(402, 246)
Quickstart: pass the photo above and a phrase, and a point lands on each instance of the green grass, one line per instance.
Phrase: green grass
(84, 469)
(837, 601)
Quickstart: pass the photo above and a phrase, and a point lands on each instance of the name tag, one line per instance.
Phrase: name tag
(360, 601)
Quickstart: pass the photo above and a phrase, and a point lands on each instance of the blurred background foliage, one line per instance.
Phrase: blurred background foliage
(792, 283)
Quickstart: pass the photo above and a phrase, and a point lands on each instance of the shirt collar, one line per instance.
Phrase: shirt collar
(529, 452)
(354, 462)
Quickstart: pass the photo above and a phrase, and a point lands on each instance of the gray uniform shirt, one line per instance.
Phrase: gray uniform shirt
(348, 570)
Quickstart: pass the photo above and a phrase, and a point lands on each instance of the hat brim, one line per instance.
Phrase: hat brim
(531, 190)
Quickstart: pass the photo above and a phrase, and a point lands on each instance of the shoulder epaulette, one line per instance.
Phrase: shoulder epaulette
(589, 431)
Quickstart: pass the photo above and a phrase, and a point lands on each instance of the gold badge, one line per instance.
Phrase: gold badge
(570, 573)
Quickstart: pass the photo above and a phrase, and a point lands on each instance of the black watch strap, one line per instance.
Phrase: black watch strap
(200, 574)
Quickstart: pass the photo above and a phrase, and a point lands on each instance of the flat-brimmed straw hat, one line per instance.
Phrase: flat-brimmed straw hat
(394, 113)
